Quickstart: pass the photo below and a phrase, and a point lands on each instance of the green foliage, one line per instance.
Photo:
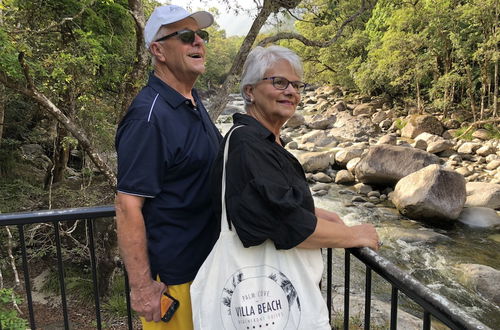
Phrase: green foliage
(460, 131)
(400, 123)
(116, 303)
(9, 317)
(78, 281)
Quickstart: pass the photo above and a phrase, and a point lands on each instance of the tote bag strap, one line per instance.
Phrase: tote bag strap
(225, 226)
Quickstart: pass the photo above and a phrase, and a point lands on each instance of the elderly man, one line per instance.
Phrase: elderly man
(166, 144)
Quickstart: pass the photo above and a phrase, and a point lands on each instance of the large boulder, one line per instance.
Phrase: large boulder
(483, 279)
(320, 121)
(483, 194)
(385, 164)
(348, 127)
(432, 193)
(418, 124)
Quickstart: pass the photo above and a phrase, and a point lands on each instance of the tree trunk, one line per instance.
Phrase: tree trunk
(2, 110)
(220, 100)
(470, 92)
(133, 81)
(420, 108)
(495, 73)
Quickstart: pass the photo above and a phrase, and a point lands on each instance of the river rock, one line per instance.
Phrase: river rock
(410, 235)
(390, 139)
(385, 164)
(483, 194)
(295, 121)
(320, 121)
(468, 147)
(432, 193)
(319, 138)
(339, 106)
(363, 109)
(351, 165)
(362, 188)
(419, 144)
(481, 134)
(486, 150)
(317, 161)
(345, 155)
(479, 217)
(322, 177)
(483, 279)
(494, 164)
(440, 146)
(348, 127)
(344, 177)
(418, 124)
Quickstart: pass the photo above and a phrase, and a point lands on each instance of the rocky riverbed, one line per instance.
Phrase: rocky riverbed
(433, 197)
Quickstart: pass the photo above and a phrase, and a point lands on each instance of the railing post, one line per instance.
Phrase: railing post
(329, 261)
(394, 308)
(127, 297)
(347, 288)
(427, 321)
(368, 297)
(27, 283)
(90, 234)
(61, 275)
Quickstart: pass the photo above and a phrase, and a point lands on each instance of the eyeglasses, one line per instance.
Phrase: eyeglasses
(187, 36)
(282, 83)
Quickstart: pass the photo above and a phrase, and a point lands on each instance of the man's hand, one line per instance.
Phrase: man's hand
(145, 300)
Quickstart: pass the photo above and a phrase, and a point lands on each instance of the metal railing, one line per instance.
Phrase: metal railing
(431, 303)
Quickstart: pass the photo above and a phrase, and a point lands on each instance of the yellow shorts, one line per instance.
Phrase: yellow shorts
(182, 319)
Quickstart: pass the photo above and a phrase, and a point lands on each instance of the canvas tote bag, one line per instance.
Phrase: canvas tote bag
(257, 287)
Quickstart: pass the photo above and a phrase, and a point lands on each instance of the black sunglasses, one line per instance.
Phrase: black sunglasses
(282, 83)
(187, 36)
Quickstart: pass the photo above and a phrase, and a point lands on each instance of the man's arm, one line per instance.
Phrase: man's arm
(145, 293)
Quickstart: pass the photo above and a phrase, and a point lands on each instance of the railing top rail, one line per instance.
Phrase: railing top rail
(24, 218)
(446, 311)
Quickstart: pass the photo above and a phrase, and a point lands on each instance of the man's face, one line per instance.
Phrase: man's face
(181, 59)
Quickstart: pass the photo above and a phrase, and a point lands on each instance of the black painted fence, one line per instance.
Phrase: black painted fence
(431, 303)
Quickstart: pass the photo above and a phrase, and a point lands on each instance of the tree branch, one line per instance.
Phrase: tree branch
(477, 123)
(52, 109)
(314, 43)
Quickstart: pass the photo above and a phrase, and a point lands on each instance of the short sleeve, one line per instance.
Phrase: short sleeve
(141, 158)
(268, 202)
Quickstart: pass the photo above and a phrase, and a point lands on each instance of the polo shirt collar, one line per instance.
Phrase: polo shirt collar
(244, 119)
(170, 95)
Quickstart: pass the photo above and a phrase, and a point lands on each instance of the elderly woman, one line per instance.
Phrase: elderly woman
(267, 196)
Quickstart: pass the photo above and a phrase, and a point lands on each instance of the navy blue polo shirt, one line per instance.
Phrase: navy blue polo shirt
(165, 148)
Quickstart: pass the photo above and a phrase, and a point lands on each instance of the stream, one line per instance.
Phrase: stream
(431, 263)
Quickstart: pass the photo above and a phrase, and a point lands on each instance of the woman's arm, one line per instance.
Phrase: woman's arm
(332, 234)
(328, 215)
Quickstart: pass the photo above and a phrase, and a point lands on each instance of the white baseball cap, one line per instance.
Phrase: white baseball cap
(163, 15)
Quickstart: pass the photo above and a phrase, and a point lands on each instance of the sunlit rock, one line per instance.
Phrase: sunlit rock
(483, 194)
(484, 279)
(481, 217)
(385, 164)
(430, 194)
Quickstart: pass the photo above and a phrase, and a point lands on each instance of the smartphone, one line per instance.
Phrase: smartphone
(168, 306)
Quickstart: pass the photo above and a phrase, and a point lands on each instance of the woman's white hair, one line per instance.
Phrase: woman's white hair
(260, 60)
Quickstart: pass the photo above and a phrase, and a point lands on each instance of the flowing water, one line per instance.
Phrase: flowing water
(432, 262)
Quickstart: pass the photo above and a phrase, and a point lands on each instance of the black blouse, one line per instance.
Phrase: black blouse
(267, 195)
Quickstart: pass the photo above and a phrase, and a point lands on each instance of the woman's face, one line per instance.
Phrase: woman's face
(275, 105)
